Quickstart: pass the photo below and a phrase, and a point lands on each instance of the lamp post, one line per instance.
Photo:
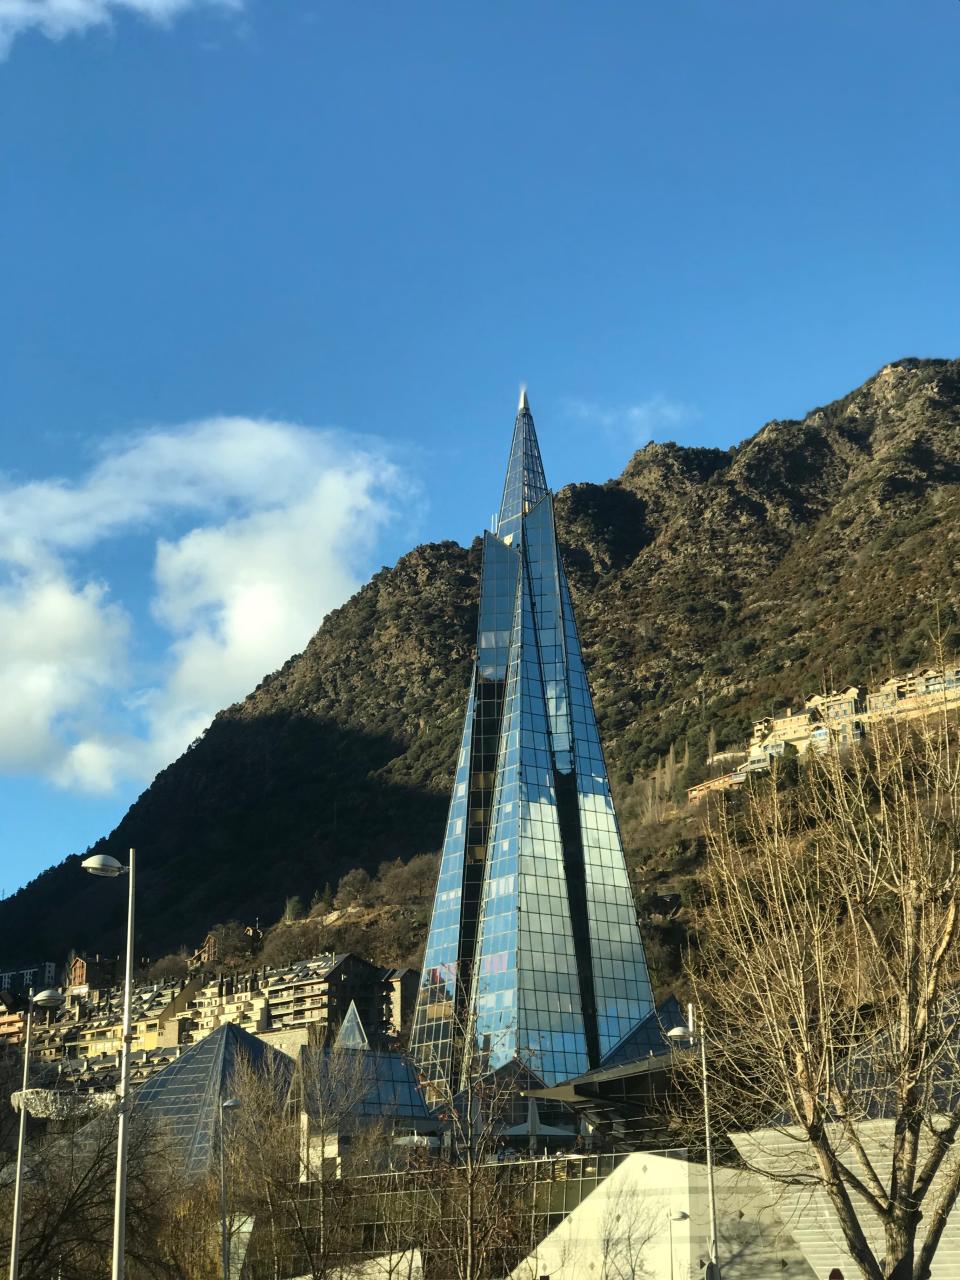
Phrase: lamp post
(101, 864)
(694, 1037)
(42, 1000)
(226, 1104)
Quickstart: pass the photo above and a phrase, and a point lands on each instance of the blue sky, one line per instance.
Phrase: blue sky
(272, 271)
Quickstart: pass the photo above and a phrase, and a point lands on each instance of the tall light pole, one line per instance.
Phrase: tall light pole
(695, 1037)
(226, 1104)
(42, 1000)
(101, 864)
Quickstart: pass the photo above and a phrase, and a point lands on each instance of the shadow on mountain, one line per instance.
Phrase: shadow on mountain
(258, 809)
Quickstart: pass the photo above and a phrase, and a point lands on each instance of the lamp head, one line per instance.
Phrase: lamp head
(101, 864)
(49, 999)
(230, 1104)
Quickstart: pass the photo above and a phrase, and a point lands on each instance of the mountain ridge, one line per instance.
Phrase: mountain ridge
(707, 584)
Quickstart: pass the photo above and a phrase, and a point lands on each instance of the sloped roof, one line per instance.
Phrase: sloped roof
(186, 1095)
(649, 1038)
(358, 1083)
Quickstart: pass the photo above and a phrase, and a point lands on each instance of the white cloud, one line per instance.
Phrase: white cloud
(59, 18)
(639, 422)
(61, 648)
(258, 529)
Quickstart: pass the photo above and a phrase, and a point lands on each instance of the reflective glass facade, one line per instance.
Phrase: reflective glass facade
(534, 954)
(185, 1097)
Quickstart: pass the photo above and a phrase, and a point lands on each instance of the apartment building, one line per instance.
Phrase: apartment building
(37, 975)
(842, 717)
(915, 694)
(287, 1006)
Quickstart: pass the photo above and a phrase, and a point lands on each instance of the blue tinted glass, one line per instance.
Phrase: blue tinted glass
(533, 898)
(525, 484)
(185, 1096)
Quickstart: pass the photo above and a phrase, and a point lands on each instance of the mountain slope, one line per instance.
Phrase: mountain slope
(707, 584)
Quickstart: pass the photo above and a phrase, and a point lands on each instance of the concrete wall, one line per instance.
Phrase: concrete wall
(649, 1220)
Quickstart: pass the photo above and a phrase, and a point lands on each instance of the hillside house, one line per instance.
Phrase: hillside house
(915, 694)
(709, 786)
(774, 734)
(93, 972)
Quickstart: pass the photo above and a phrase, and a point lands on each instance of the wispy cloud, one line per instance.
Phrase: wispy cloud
(257, 530)
(59, 18)
(636, 423)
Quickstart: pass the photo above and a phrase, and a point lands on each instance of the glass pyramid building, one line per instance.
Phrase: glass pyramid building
(184, 1098)
(534, 955)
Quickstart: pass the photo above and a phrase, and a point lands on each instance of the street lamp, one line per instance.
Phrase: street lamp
(101, 864)
(42, 1000)
(226, 1104)
(691, 1035)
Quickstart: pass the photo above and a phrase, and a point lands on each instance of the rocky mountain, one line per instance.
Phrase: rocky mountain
(709, 585)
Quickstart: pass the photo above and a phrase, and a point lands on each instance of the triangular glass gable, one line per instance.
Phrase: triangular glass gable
(351, 1034)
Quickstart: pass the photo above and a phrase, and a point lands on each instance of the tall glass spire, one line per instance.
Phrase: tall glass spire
(525, 484)
(534, 955)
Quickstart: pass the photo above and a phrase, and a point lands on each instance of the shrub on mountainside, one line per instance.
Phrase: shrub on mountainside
(169, 968)
(353, 890)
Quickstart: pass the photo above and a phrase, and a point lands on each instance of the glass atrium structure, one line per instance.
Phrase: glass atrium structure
(185, 1097)
(534, 954)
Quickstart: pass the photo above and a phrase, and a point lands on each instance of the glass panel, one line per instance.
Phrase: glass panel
(621, 983)
(533, 908)
(525, 484)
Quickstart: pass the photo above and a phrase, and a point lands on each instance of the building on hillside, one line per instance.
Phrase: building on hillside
(400, 998)
(236, 998)
(90, 1025)
(533, 942)
(725, 782)
(208, 953)
(93, 972)
(775, 735)
(837, 708)
(288, 1006)
(916, 693)
(36, 975)
(319, 992)
(13, 1025)
(883, 700)
(841, 716)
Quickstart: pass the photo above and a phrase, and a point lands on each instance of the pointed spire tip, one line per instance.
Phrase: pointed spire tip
(524, 402)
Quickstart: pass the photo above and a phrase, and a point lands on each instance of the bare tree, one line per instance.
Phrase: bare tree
(69, 1201)
(828, 986)
(291, 1152)
(479, 1210)
(630, 1221)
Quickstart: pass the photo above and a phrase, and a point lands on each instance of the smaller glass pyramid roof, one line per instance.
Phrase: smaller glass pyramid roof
(359, 1083)
(185, 1096)
(649, 1039)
